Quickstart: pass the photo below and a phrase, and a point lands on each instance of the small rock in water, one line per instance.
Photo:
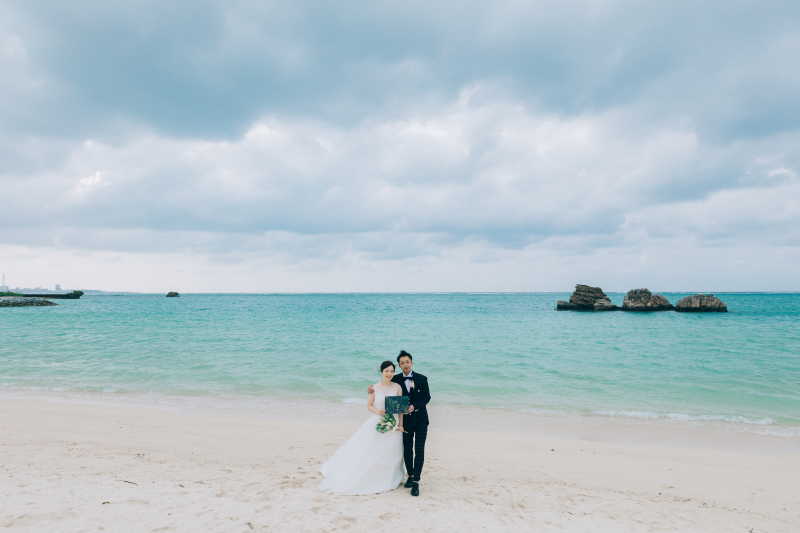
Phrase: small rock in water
(16, 301)
(172, 294)
(586, 298)
(644, 300)
(702, 303)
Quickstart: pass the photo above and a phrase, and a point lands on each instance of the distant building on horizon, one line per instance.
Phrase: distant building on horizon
(34, 290)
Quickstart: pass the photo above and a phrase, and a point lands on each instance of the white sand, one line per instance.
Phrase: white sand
(68, 467)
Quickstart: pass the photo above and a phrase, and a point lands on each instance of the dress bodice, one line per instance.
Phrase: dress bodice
(381, 392)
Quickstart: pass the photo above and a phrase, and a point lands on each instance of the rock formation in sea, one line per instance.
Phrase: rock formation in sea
(701, 303)
(23, 302)
(172, 294)
(586, 298)
(644, 300)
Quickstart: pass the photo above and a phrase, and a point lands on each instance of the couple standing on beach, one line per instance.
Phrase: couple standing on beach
(372, 461)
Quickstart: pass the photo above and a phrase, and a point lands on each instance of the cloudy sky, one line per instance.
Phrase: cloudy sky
(400, 146)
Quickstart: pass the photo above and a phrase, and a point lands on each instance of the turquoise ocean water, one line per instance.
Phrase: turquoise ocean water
(479, 351)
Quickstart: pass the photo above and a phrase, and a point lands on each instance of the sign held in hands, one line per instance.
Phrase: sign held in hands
(396, 405)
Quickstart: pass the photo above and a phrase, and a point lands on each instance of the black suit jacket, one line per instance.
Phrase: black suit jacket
(419, 397)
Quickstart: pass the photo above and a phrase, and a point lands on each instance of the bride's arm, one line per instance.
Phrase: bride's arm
(371, 405)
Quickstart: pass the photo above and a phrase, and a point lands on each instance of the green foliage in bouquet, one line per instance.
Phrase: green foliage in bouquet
(386, 424)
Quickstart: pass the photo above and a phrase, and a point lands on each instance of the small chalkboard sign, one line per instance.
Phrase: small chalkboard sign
(397, 405)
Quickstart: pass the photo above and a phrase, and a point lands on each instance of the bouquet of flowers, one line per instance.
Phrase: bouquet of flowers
(386, 423)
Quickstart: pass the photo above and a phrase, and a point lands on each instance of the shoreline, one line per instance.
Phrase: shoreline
(73, 467)
(677, 432)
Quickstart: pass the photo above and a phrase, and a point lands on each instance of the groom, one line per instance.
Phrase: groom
(415, 386)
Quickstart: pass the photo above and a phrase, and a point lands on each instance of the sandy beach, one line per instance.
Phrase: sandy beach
(72, 467)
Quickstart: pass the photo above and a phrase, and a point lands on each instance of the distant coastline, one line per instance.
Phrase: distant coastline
(74, 295)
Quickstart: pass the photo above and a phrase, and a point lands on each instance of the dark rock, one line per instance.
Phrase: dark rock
(604, 305)
(172, 294)
(643, 300)
(24, 302)
(587, 298)
(702, 303)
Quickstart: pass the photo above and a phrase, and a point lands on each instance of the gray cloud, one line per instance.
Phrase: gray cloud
(208, 69)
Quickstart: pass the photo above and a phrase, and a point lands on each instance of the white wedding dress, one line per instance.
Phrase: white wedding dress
(369, 462)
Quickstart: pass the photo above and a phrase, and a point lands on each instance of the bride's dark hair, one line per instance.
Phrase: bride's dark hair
(386, 364)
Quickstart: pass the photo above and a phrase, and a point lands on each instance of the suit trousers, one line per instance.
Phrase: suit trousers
(414, 450)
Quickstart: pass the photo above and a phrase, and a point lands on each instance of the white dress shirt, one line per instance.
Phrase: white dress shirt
(408, 378)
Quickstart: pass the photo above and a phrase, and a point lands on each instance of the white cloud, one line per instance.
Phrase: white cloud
(469, 169)
(88, 183)
(474, 190)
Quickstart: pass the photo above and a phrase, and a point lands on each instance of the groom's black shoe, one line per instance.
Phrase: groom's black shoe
(409, 482)
(415, 488)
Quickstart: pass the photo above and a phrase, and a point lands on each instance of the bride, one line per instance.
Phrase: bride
(370, 461)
